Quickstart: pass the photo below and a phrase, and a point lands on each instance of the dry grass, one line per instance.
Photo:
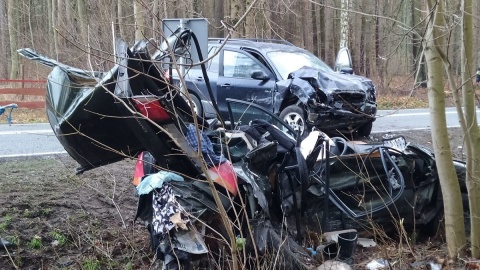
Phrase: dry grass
(402, 102)
(25, 116)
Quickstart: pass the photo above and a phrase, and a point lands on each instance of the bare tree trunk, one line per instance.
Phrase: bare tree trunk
(344, 24)
(54, 27)
(250, 22)
(3, 38)
(155, 20)
(12, 16)
(315, 33)
(82, 17)
(266, 6)
(236, 11)
(417, 56)
(329, 35)
(454, 225)
(139, 14)
(322, 28)
(51, 45)
(472, 132)
(219, 14)
(120, 20)
(61, 22)
(68, 15)
(307, 24)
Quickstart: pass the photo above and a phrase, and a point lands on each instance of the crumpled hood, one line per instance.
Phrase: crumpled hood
(305, 80)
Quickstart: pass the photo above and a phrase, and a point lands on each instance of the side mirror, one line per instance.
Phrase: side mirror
(346, 70)
(344, 60)
(259, 75)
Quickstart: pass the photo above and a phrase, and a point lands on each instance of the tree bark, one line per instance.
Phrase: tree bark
(452, 198)
(82, 17)
(219, 14)
(236, 11)
(250, 24)
(307, 26)
(54, 29)
(322, 28)
(315, 32)
(156, 21)
(68, 16)
(344, 24)
(472, 132)
(139, 14)
(3, 38)
(377, 42)
(120, 21)
(12, 16)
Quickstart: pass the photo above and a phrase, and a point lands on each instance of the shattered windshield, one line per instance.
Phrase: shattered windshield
(287, 62)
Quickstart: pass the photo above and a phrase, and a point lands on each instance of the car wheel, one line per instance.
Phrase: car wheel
(294, 116)
(365, 130)
(197, 105)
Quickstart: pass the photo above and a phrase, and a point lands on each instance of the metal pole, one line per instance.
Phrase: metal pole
(181, 61)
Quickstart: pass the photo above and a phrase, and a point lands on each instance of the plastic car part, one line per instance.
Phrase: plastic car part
(150, 107)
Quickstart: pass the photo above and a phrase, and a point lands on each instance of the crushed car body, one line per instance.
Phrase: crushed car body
(334, 101)
(286, 80)
(278, 191)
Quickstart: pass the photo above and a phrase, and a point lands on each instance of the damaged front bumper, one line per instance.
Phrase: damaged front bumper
(338, 117)
(332, 102)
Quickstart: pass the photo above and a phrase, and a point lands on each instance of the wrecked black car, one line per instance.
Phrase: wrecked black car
(289, 82)
(242, 190)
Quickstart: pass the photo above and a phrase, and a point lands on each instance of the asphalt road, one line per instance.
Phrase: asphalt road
(411, 119)
(28, 140)
(38, 139)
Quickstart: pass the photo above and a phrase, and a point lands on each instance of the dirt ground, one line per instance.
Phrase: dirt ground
(58, 220)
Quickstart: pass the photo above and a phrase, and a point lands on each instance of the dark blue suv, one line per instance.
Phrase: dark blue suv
(288, 81)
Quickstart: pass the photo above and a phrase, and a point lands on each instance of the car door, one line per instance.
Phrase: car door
(196, 82)
(245, 78)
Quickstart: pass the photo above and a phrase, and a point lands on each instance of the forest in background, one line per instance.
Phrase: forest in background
(384, 36)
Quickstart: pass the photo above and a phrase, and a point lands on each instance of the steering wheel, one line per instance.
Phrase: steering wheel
(341, 144)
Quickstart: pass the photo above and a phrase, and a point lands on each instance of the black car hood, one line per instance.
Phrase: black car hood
(305, 78)
(82, 112)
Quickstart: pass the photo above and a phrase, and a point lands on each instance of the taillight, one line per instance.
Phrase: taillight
(139, 172)
(151, 108)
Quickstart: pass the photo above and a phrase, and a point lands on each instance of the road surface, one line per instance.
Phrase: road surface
(23, 140)
(410, 119)
(38, 139)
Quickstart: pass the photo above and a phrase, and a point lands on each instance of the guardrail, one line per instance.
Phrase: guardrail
(21, 90)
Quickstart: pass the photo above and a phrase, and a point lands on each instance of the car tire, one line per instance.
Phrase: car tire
(365, 130)
(294, 116)
(197, 105)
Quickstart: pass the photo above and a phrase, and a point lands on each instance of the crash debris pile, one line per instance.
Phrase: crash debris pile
(275, 194)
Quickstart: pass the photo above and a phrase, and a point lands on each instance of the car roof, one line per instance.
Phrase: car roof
(259, 44)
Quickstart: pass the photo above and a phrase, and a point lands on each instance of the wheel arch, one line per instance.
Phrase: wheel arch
(288, 102)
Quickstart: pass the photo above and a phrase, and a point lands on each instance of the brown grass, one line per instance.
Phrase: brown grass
(25, 116)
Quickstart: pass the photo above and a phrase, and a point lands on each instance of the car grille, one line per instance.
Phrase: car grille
(349, 100)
